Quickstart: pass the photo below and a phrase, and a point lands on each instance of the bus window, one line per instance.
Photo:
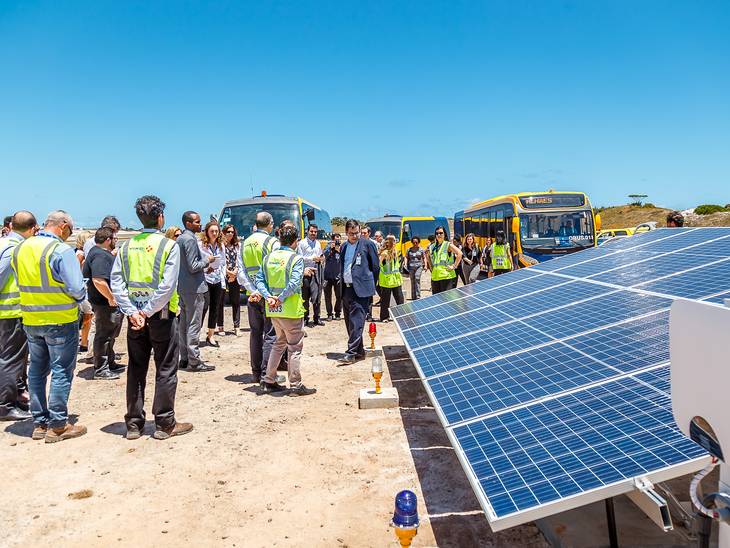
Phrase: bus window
(324, 226)
(484, 226)
(423, 228)
(243, 217)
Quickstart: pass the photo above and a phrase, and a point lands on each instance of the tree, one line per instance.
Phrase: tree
(638, 198)
(339, 221)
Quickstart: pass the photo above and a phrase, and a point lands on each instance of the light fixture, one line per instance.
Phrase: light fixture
(377, 371)
(373, 332)
(405, 517)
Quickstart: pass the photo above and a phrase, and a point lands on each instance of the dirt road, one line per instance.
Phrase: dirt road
(257, 471)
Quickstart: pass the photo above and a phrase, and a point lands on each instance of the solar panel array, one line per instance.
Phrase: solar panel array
(553, 382)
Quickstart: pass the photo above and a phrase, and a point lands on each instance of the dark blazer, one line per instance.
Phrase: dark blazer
(191, 279)
(366, 273)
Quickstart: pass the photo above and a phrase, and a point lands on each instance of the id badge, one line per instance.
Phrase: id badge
(358, 261)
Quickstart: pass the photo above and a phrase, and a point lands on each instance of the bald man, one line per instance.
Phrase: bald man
(13, 340)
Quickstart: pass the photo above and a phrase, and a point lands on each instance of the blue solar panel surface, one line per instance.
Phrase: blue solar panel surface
(553, 381)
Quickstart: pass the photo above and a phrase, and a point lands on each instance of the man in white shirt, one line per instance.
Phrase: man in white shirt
(310, 249)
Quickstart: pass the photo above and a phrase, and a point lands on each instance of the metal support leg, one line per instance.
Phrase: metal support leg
(704, 530)
(611, 518)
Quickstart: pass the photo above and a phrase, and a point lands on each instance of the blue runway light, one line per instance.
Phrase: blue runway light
(406, 510)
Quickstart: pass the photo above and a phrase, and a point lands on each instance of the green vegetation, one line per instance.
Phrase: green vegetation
(339, 221)
(709, 209)
(638, 198)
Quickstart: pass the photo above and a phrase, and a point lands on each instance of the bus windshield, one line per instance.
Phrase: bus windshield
(243, 217)
(552, 230)
(423, 228)
(386, 227)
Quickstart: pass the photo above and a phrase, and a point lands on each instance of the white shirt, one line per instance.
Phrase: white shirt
(218, 276)
(309, 250)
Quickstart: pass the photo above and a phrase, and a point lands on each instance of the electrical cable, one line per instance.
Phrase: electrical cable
(693, 491)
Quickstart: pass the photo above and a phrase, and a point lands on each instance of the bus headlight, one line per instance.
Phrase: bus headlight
(527, 259)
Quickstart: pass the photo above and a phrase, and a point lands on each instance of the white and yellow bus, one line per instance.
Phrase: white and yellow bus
(538, 225)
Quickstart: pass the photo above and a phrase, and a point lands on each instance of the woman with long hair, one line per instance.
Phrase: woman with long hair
(211, 244)
(445, 258)
(414, 263)
(173, 232)
(459, 269)
(471, 259)
(234, 265)
(501, 254)
(391, 281)
(85, 305)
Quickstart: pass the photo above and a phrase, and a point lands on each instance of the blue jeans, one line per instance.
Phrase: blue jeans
(53, 350)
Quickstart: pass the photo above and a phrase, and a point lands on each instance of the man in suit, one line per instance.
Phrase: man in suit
(360, 268)
(191, 287)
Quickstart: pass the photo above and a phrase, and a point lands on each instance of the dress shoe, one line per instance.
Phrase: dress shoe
(256, 378)
(133, 434)
(301, 391)
(67, 432)
(338, 317)
(15, 414)
(105, 375)
(89, 360)
(369, 318)
(318, 322)
(179, 429)
(346, 360)
(330, 317)
(83, 348)
(308, 325)
(20, 404)
(360, 357)
(377, 304)
(182, 365)
(117, 368)
(39, 432)
(271, 387)
(200, 368)
(208, 342)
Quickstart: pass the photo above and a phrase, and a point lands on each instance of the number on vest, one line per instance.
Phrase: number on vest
(277, 309)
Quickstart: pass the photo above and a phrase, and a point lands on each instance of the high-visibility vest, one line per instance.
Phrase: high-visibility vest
(143, 259)
(277, 267)
(255, 247)
(442, 258)
(43, 300)
(390, 274)
(9, 293)
(500, 257)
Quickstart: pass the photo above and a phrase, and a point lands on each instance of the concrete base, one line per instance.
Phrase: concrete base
(370, 400)
(372, 352)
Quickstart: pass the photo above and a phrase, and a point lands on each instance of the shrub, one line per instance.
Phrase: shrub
(709, 209)
(650, 206)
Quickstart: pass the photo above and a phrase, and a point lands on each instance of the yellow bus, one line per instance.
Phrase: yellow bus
(538, 225)
(405, 228)
(242, 214)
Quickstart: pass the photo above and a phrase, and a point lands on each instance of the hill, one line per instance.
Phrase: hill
(629, 216)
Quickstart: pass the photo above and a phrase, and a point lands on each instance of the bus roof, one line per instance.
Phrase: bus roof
(399, 218)
(261, 200)
(512, 196)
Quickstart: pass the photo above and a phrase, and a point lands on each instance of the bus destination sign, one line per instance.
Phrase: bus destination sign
(552, 201)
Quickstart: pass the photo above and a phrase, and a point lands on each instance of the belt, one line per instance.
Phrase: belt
(348, 285)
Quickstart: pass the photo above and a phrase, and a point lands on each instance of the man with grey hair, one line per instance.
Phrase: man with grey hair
(263, 335)
(110, 221)
(49, 306)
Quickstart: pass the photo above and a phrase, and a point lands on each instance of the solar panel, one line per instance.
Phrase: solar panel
(553, 382)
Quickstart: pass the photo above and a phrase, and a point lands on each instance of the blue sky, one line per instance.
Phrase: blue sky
(364, 107)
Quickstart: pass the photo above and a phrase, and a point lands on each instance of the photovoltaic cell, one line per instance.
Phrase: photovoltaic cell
(554, 386)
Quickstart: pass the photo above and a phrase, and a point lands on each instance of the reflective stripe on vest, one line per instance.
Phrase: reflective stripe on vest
(9, 293)
(138, 261)
(43, 300)
(500, 257)
(441, 258)
(277, 267)
(390, 275)
(253, 251)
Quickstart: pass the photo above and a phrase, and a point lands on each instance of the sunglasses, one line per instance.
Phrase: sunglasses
(229, 232)
(441, 233)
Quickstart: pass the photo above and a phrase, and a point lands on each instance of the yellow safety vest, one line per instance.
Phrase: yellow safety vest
(442, 258)
(390, 274)
(278, 266)
(143, 259)
(9, 293)
(43, 300)
(500, 257)
(254, 248)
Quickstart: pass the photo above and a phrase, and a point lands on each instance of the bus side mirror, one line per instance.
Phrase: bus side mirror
(515, 225)
(309, 214)
(406, 232)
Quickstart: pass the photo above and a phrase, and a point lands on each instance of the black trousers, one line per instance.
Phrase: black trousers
(443, 285)
(13, 361)
(312, 291)
(385, 293)
(498, 271)
(108, 324)
(327, 288)
(160, 335)
(234, 295)
(213, 300)
(262, 337)
(355, 309)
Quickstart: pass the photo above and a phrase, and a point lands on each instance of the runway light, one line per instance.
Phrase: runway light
(373, 332)
(405, 518)
(377, 371)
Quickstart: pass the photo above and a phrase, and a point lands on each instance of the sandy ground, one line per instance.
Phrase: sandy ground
(257, 471)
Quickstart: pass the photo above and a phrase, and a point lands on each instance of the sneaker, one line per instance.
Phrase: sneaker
(319, 322)
(271, 387)
(117, 357)
(179, 429)
(330, 317)
(346, 360)
(133, 434)
(105, 375)
(301, 391)
(39, 432)
(65, 432)
(200, 368)
(338, 317)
